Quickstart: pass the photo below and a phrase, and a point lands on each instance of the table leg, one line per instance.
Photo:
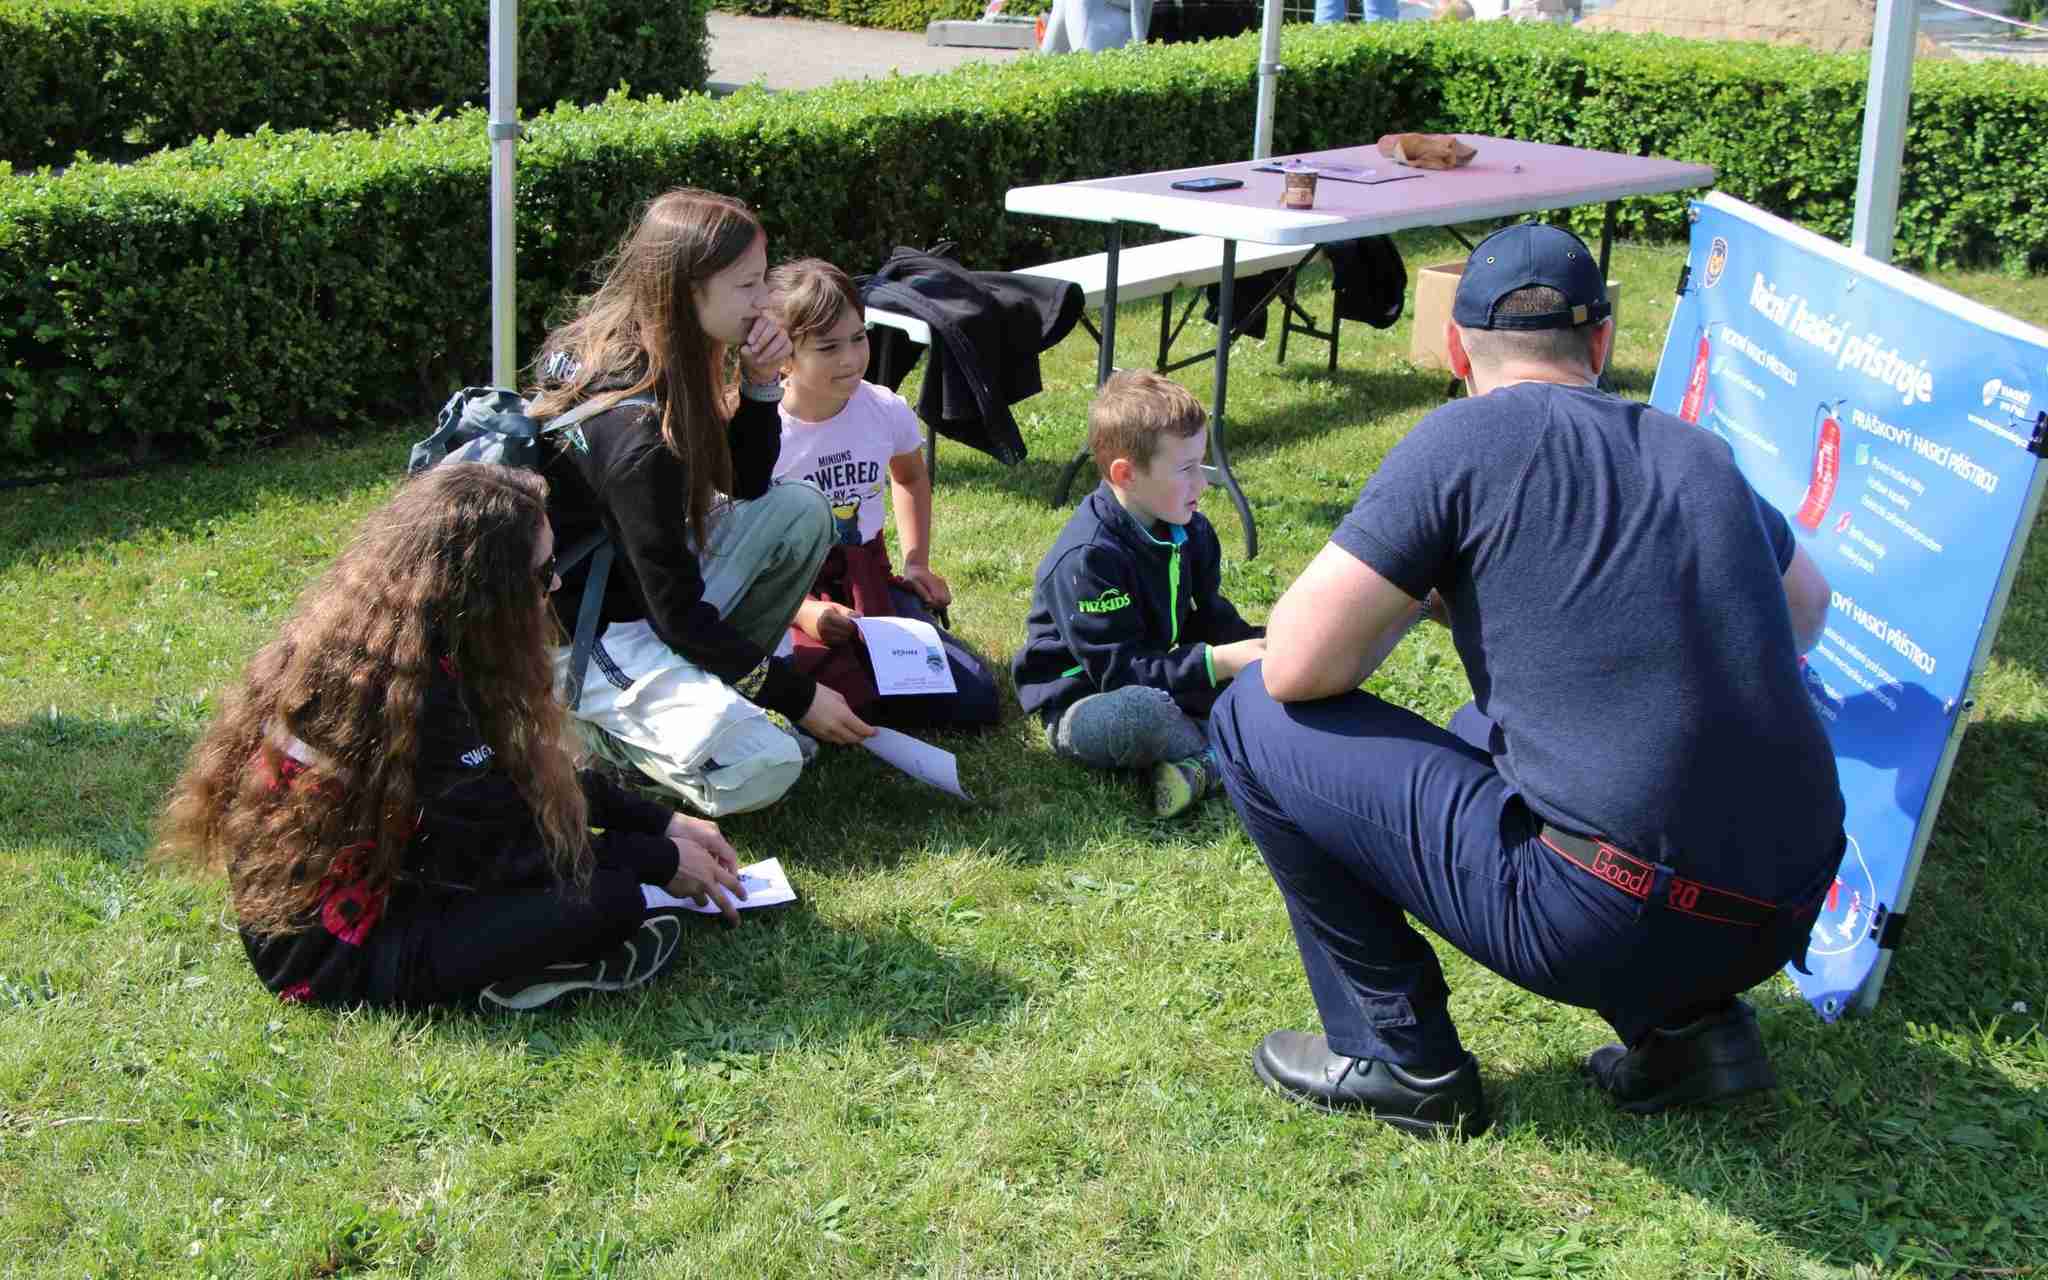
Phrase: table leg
(1105, 353)
(1219, 450)
(1604, 382)
(1607, 236)
(1105, 356)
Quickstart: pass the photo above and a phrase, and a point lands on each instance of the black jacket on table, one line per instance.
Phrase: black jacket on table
(614, 472)
(474, 834)
(988, 328)
(1114, 605)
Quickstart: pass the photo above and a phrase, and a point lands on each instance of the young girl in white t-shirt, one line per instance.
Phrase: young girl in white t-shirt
(862, 446)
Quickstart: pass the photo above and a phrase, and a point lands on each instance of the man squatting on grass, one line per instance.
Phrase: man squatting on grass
(1637, 813)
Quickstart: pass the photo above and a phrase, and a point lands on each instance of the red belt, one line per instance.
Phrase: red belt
(1635, 877)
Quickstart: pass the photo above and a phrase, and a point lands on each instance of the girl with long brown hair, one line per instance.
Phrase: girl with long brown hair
(388, 788)
(713, 556)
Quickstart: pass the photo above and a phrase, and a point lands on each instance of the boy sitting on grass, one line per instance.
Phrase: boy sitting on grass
(1129, 639)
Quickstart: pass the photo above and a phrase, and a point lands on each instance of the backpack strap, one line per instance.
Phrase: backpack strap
(590, 408)
(597, 547)
(586, 616)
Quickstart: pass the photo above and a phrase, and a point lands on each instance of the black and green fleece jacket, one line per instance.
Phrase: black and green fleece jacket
(1113, 605)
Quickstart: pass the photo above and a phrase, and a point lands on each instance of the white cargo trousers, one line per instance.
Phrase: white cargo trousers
(647, 707)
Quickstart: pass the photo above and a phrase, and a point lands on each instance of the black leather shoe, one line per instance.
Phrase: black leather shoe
(1302, 1066)
(1715, 1058)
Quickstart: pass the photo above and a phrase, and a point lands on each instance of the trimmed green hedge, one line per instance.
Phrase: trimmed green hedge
(117, 78)
(240, 286)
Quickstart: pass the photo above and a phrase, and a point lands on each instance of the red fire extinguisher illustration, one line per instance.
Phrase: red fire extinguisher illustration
(1827, 467)
(1696, 386)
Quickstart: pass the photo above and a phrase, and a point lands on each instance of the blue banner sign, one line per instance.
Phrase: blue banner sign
(1893, 423)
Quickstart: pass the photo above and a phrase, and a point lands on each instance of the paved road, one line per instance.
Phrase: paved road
(795, 53)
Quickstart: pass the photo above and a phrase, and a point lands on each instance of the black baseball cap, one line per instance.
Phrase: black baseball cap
(1531, 253)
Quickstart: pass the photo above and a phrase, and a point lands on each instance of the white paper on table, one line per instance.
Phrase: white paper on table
(908, 656)
(765, 883)
(921, 760)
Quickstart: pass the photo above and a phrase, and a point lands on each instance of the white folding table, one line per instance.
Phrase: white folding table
(1504, 179)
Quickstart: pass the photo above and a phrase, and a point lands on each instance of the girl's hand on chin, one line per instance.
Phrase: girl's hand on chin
(765, 352)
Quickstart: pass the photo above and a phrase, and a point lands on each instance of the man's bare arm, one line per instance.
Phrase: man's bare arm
(1333, 627)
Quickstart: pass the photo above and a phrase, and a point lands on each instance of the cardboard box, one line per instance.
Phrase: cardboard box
(1434, 288)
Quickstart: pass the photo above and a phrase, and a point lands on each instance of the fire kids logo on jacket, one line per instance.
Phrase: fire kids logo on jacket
(1111, 600)
(2013, 400)
(1717, 262)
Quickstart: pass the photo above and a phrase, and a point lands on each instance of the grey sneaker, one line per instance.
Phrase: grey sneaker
(1178, 784)
(627, 965)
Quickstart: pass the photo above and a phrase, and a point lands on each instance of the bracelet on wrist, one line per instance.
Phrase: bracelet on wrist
(769, 392)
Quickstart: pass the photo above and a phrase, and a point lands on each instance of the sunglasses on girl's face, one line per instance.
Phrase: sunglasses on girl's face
(546, 574)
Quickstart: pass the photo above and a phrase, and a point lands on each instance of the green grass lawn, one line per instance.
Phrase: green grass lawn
(1003, 1040)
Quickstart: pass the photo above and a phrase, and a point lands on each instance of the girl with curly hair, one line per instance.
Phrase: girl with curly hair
(713, 556)
(389, 791)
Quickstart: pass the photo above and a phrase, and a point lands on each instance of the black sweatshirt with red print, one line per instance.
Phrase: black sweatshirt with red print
(474, 834)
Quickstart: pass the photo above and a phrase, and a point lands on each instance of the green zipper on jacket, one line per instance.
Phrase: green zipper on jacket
(1173, 596)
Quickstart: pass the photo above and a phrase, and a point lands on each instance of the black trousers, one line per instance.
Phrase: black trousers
(444, 945)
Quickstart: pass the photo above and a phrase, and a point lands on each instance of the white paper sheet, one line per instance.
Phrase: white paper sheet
(921, 760)
(907, 655)
(765, 883)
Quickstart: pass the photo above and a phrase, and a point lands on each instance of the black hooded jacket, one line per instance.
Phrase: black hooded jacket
(988, 328)
(1114, 606)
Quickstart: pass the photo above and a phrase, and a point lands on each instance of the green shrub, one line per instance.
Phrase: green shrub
(169, 71)
(240, 286)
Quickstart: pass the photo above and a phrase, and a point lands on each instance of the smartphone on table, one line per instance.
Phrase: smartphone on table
(1208, 184)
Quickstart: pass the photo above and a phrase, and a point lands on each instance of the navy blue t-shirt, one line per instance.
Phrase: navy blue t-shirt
(1616, 594)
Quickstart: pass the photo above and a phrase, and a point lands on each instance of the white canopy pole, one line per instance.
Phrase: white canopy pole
(1885, 106)
(504, 135)
(1269, 81)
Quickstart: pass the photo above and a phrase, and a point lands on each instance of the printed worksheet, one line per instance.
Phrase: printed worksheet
(765, 883)
(907, 655)
(921, 760)
(1338, 172)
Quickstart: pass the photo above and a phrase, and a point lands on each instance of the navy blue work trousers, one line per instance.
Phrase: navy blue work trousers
(1364, 811)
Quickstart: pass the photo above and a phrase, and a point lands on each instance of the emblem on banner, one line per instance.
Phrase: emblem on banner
(2014, 400)
(1717, 262)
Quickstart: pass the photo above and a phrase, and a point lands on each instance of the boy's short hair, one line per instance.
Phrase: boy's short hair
(1133, 411)
(809, 296)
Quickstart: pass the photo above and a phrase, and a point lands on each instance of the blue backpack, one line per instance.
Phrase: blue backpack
(491, 424)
